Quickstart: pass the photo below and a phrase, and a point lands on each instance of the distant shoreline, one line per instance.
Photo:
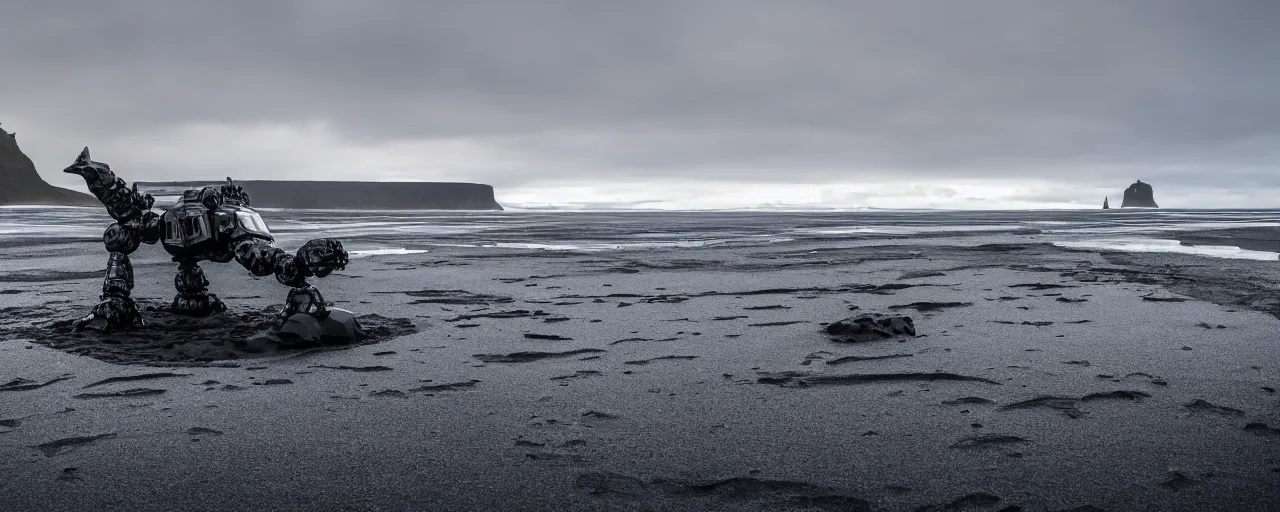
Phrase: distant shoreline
(350, 195)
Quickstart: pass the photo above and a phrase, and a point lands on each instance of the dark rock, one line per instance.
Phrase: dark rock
(1139, 195)
(21, 184)
(871, 327)
(339, 327)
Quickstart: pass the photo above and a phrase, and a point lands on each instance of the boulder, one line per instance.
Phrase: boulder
(339, 327)
(871, 327)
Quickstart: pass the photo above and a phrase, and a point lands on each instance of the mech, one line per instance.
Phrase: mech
(209, 224)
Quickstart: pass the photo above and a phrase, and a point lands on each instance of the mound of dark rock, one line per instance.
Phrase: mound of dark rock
(871, 327)
(21, 184)
(176, 340)
(1139, 195)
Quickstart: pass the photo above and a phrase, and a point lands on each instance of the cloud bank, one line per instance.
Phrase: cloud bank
(688, 104)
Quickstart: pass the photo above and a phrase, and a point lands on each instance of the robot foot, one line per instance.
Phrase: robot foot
(112, 313)
(304, 299)
(197, 304)
(193, 297)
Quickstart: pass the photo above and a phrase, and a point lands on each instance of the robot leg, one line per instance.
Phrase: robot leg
(193, 297)
(117, 310)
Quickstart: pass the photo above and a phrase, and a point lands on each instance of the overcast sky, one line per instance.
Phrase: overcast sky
(682, 103)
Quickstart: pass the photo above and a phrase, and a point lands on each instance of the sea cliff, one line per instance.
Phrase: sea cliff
(349, 195)
(20, 184)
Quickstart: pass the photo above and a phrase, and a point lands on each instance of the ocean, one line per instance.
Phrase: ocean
(374, 233)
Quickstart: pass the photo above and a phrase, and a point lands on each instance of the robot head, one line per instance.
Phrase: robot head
(121, 201)
(95, 174)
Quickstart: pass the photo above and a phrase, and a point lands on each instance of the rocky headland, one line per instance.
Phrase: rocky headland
(20, 184)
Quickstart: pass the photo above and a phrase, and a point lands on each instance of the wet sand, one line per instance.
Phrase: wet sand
(1253, 239)
(686, 379)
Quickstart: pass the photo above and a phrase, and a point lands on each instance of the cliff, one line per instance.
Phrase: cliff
(1139, 195)
(21, 184)
(348, 195)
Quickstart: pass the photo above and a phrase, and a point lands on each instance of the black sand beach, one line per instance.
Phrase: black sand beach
(686, 376)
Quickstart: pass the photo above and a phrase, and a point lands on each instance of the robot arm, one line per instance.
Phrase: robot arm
(259, 257)
(317, 258)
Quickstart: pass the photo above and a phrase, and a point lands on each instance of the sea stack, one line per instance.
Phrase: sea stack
(20, 184)
(1139, 195)
(1106, 203)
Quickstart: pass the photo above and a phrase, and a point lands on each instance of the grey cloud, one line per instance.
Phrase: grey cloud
(804, 91)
